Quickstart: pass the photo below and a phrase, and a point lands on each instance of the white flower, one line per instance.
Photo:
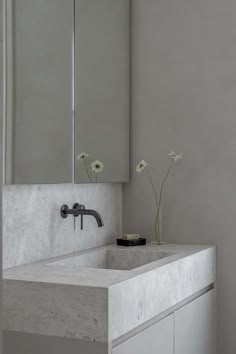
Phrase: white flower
(141, 166)
(172, 153)
(97, 166)
(82, 156)
(175, 156)
(178, 157)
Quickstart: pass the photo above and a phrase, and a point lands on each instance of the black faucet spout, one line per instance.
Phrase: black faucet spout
(81, 210)
(93, 213)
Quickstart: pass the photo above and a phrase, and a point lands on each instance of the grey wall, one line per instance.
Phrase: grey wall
(184, 97)
(33, 228)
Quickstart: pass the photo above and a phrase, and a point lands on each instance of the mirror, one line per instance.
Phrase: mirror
(67, 91)
(102, 86)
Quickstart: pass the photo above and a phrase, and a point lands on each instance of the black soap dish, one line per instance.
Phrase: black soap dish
(137, 242)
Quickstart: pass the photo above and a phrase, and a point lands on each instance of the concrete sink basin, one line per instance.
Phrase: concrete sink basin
(119, 259)
(101, 294)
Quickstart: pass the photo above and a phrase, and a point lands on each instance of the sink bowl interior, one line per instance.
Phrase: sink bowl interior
(119, 259)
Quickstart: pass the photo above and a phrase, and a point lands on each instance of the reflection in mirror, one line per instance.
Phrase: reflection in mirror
(67, 91)
(39, 90)
(102, 89)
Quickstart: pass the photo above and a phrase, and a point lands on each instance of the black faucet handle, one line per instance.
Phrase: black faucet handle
(78, 206)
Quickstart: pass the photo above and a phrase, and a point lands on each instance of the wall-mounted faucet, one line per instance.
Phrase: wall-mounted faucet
(79, 209)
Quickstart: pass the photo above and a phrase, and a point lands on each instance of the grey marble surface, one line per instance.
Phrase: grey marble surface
(55, 297)
(33, 228)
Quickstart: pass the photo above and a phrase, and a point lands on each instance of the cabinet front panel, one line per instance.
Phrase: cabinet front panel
(102, 88)
(67, 91)
(40, 148)
(195, 326)
(157, 339)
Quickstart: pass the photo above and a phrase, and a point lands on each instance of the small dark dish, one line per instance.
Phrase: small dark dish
(138, 242)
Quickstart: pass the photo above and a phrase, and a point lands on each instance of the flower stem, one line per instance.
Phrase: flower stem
(157, 227)
(86, 170)
(157, 222)
(153, 187)
(157, 219)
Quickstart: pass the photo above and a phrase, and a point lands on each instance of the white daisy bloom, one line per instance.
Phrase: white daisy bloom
(178, 157)
(141, 166)
(172, 153)
(97, 166)
(175, 156)
(82, 156)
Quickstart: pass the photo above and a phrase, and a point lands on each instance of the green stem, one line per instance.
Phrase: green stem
(157, 222)
(86, 170)
(96, 177)
(157, 227)
(153, 187)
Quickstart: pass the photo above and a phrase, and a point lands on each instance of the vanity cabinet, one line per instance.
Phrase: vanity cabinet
(157, 339)
(195, 326)
(189, 330)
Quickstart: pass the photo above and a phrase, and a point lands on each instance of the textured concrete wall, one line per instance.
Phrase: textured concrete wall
(184, 97)
(33, 228)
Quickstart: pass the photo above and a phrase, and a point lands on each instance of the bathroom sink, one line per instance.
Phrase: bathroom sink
(113, 258)
(97, 295)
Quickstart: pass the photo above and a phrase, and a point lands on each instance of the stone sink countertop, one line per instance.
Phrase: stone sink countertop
(103, 304)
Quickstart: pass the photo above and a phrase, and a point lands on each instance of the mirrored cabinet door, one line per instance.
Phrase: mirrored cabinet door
(102, 89)
(67, 91)
(39, 146)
